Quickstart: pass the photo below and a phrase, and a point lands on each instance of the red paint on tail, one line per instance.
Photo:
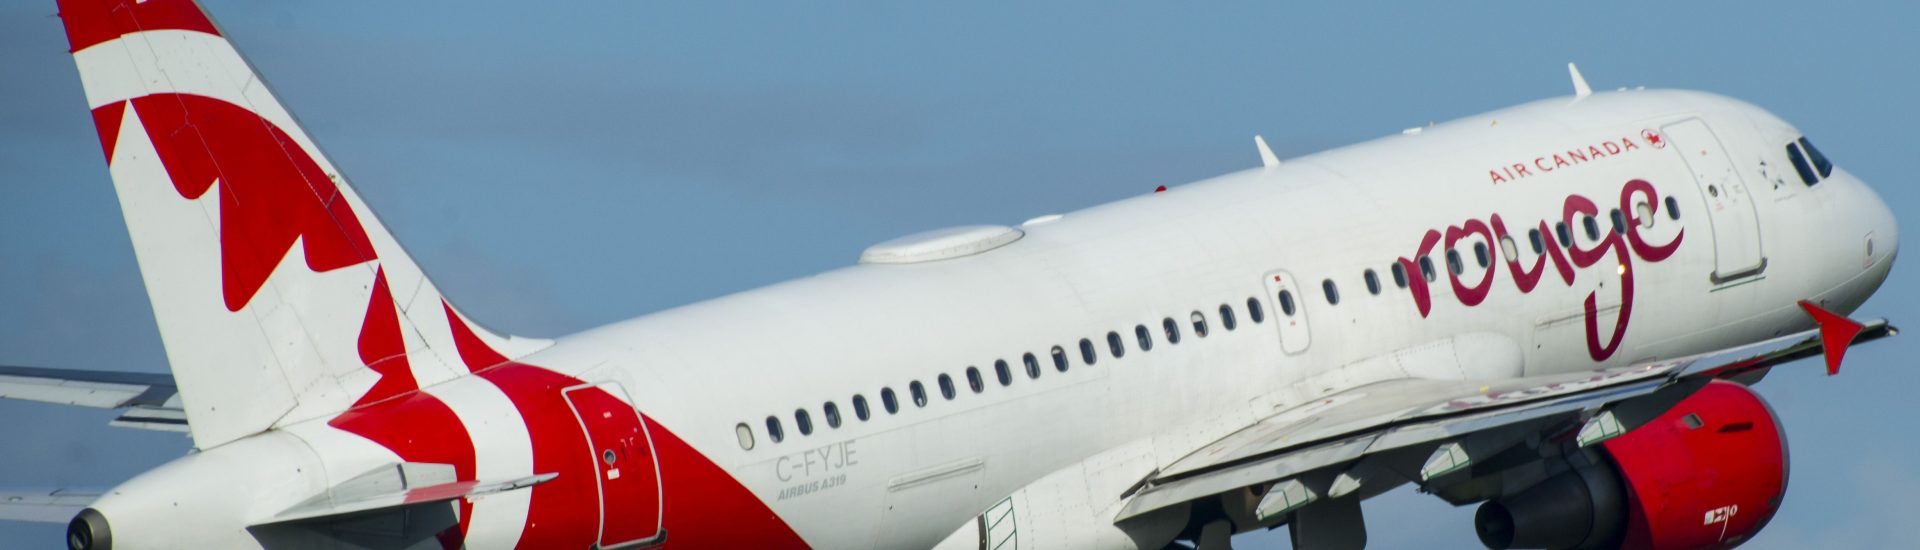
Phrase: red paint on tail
(106, 119)
(272, 193)
(91, 22)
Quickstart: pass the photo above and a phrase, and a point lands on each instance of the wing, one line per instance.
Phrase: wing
(1422, 430)
(150, 401)
(43, 506)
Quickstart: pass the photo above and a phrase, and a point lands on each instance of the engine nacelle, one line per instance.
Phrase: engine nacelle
(1708, 473)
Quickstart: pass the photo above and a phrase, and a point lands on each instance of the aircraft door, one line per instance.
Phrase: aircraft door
(1289, 312)
(628, 476)
(1730, 209)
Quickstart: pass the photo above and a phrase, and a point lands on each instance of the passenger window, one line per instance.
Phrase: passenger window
(1644, 213)
(1172, 330)
(1820, 161)
(1399, 274)
(1592, 226)
(1226, 317)
(1199, 324)
(803, 422)
(1453, 262)
(1539, 244)
(1333, 294)
(745, 434)
(1254, 312)
(946, 386)
(860, 407)
(1115, 345)
(888, 401)
(1673, 208)
(773, 429)
(1146, 338)
(1566, 237)
(1005, 374)
(1286, 302)
(974, 381)
(919, 393)
(1426, 268)
(832, 413)
(1373, 282)
(1508, 249)
(1086, 352)
(1619, 222)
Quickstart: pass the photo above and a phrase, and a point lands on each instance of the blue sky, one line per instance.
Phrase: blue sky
(556, 169)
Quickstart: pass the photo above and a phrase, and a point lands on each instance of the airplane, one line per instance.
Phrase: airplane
(1553, 310)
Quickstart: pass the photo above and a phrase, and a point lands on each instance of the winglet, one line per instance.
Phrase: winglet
(1580, 88)
(1836, 333)
(1267, 160)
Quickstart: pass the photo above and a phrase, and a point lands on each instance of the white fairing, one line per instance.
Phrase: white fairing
(1038, 375)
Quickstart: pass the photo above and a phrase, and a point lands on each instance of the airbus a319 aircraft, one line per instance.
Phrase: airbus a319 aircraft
(1553, 310)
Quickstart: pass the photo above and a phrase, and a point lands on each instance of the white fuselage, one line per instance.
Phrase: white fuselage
(705, 368)
(912, 477)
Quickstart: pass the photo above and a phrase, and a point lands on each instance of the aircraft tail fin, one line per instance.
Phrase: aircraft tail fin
(279, 296)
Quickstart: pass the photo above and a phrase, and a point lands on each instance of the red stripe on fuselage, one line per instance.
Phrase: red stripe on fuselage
(394, 414)
(704, 507)
(91, 22)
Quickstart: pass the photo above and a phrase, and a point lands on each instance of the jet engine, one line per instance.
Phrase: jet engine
(1708, 473)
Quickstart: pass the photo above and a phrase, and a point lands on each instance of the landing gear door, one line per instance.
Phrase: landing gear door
(1730, 209)
(627, 475)
(1289, 312)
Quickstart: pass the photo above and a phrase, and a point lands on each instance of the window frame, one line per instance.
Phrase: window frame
(1801, 165)
(947, 388)
(1331, 290)
(831, 412)
(1143, 337)
(1255, 312)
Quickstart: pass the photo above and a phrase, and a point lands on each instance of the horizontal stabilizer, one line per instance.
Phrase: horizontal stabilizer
(395, 486)
(151, 400)
(56, 506)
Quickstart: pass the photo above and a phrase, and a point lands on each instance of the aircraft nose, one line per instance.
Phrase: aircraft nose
(1883, 234)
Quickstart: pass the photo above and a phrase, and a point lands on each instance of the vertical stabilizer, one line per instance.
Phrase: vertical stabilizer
(277, 293)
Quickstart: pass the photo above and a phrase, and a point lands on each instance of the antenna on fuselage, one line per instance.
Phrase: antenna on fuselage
(1267, 160)
(1580, 88)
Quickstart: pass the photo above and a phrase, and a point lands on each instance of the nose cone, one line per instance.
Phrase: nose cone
(1883, 237)
(1865, 240)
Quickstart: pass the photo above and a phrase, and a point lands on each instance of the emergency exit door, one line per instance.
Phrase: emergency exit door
(627, 476)
(1730, 209)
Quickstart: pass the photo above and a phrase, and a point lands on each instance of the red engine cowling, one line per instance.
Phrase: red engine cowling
(1708, 473)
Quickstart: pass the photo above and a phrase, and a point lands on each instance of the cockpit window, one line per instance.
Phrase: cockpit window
(1800, 165)
(1820, 161)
